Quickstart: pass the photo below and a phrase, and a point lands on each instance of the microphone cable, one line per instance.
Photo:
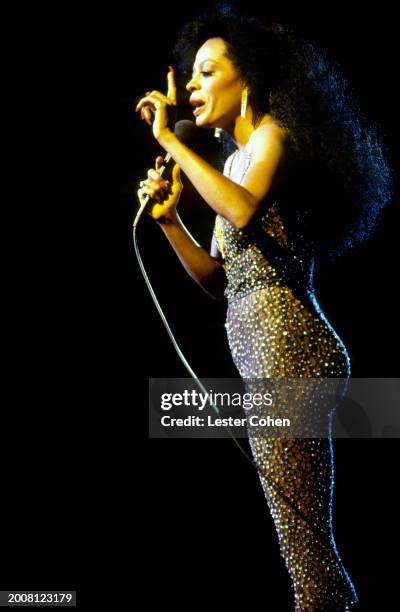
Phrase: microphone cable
(169, 331)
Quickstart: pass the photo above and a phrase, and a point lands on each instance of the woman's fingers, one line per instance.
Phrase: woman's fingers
(154, 100)
(176, 174)
(154, 184)
(157, 109)
(159, 162)
(156, 176)
(145, 114)
(171, 92)
(157, 188)
(146, 190)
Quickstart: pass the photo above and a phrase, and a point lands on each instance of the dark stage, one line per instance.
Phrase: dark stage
(210, 537)
(89, 501)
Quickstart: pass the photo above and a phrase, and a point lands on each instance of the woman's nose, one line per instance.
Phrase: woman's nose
(191, 85)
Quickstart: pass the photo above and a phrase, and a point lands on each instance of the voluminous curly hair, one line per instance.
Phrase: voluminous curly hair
(340, 178)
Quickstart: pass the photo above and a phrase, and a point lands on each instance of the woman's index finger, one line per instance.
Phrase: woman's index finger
(171, 93)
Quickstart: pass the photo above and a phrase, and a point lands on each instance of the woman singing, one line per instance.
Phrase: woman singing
(306, 176)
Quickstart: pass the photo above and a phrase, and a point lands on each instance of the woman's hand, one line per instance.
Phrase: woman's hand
(165, 193)
(162, 106)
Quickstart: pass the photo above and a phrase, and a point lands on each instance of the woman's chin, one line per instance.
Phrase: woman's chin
(201, 120)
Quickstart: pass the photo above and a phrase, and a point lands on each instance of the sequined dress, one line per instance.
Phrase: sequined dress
(275, 328)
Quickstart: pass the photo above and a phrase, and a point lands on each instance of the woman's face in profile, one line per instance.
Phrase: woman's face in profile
(216, 86)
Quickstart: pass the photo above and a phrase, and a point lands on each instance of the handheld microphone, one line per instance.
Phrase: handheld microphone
(189, 134)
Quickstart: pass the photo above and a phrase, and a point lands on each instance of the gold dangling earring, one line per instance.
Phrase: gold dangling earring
(244, 103)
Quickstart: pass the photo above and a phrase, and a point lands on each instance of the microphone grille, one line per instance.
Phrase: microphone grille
(192, 136)
(186, 131)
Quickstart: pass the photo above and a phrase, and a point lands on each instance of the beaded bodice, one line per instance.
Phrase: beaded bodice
(260, 254)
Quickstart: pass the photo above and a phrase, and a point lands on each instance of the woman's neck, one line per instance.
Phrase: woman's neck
(243, 128)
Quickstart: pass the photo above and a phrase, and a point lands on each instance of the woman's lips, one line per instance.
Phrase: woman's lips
(198, 110)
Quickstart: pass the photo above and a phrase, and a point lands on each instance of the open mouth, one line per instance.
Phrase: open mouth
(199, 108)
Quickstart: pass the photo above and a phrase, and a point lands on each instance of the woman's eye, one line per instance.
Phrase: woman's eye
(205, 72)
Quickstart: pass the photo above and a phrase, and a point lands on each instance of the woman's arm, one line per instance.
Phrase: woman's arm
(208, 270)
(237, 203)
(200, 265)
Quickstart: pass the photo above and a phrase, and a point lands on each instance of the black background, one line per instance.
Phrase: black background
(88, 502)
(210, 536)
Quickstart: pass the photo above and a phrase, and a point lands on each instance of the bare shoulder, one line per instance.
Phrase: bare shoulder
(266, 140)
(268, 152)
